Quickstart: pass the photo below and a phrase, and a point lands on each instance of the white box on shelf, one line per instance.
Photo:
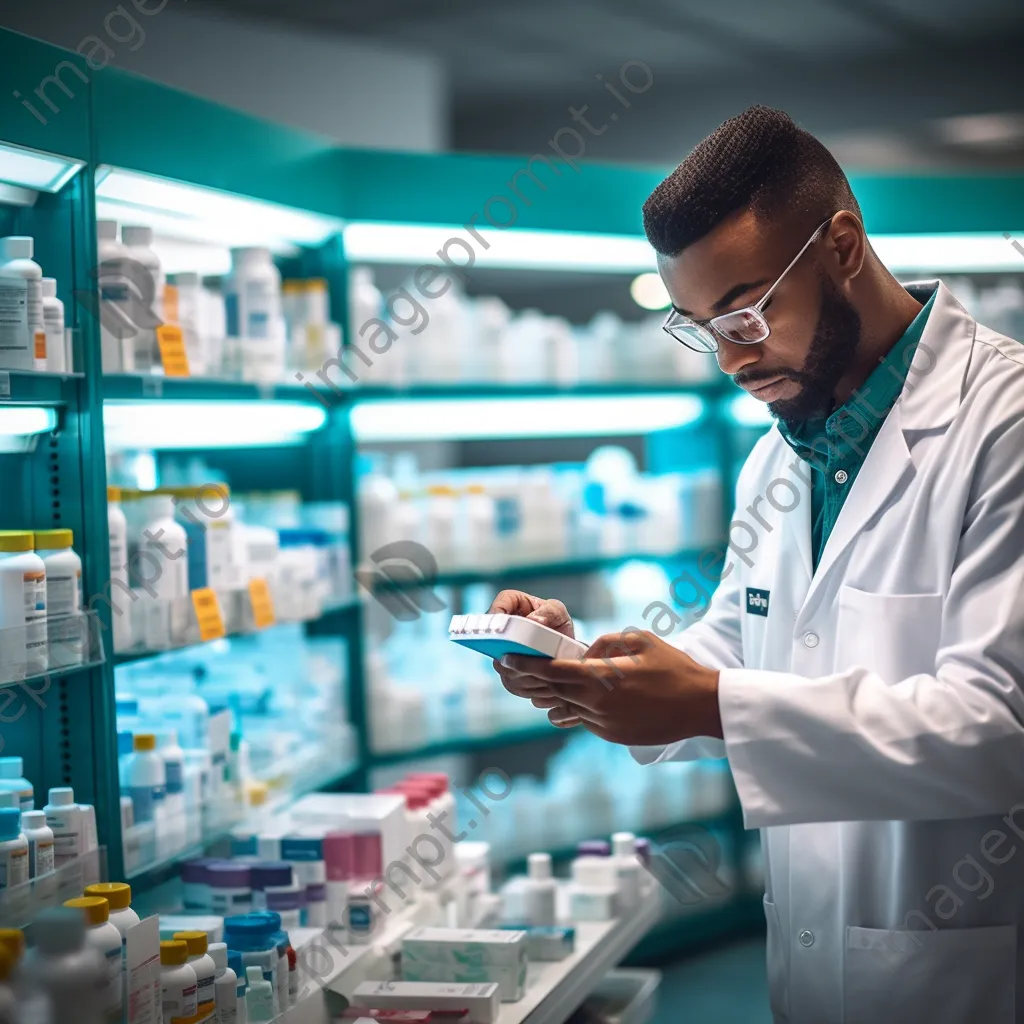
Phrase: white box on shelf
(480, 1000)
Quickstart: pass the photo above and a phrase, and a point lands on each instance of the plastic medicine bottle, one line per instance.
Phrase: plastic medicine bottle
(117, 332)
(22, 606)
(146, 778)
(252, 294)
(539, 891)
(102, 936)
(117, 529)
(147, 288)
(53, 327)
(119, 900)
(64, 817)
(12, 771)
(13, 849)
(235, 963)
(40, 843)
(202, 963)
(71, 973)
(66, 639)
(225, 985)
(22, 337)
(177, 983)
(259, 997)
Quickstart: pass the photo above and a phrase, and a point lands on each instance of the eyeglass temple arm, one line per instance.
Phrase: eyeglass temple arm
(810, 241)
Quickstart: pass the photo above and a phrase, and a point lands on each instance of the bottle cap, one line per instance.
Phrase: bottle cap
(62, 796)
(624, 844)
(95, 909)
(33, 819)
(254, 975)
(196, 941)
(106, 230)
(113, 494)
(133, 234)
(256, 792)
(226, 875)
(15, 540)
(13, 940)
(17, 247)
(593, 848)
(144, 741)
(270, 873)
(58, 931)
(11, 767)
(49, 288)
(173, 953)
(539, 866)
(51, 540)
(219, 955)
(117, 894)
(10, 823)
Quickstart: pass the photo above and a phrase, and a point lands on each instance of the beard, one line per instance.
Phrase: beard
(832, 350)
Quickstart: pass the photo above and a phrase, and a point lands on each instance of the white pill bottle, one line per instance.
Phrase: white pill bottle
(22, 336)
(53, 327)
(22, 606)
(66, 638)
(117, 529)
(102, 936)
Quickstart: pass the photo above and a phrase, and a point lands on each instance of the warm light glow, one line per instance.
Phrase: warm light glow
(479, 418)
(29, 168)
(176, 424)
(648, 291)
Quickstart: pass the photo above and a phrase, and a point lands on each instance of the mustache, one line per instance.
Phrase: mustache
(753, 376)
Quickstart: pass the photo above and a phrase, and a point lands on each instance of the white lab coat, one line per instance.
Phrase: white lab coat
(874, 718)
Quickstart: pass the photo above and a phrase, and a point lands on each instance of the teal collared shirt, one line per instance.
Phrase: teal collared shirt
(836, 446)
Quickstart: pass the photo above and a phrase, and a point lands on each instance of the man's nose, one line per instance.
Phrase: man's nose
(732, 357)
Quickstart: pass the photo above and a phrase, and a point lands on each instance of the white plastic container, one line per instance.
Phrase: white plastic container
(22, 336)
(54, 359)
(208, 520)
(119, 902)
(102, 936)
(259, 997)
(163, 547)
(72, 974)
(117, 530)
(191, 317)
(22, 606)
(206, 970)
(148, 294)
(13, 849)
(252, 294)
(225, 985)
(365, 305)
(146, 778)
(539, 892)
(178, 983)
(64, 818)
(66, 640)
(40, 843)
(11, 770)
(90, 841)
(117, 340)
(628, 871)
(174, 771)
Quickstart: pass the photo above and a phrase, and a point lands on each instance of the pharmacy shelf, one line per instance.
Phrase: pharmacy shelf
(318, 774)
(135, 386)
(23, 387)
(492, 389)
(567, 567)
(335, 608)
(35, 685)
(467, 745)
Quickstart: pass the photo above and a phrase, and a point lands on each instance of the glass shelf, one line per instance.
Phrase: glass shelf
(467, 745)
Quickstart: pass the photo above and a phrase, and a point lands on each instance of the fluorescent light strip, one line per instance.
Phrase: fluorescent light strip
(367, 242)
(26, 420)
(199, 214)
(176, 424)
(492, 418)
(29, 168)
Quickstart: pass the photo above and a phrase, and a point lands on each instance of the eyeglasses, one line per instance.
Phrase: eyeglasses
(746, 326)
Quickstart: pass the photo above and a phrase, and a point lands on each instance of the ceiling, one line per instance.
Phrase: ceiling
(887, 83)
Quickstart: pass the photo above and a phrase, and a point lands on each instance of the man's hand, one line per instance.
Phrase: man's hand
(548, 613)
(631, 688)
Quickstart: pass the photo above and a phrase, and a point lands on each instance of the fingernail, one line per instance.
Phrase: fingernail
(505, 661)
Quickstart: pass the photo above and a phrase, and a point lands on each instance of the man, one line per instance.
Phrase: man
(861, 668)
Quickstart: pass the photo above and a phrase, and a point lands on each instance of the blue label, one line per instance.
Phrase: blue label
(175, 777)
(757, 602)
(302, 849)
(231, 310)
(144, 800)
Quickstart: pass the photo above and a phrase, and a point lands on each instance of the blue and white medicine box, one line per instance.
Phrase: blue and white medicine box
(500, 634)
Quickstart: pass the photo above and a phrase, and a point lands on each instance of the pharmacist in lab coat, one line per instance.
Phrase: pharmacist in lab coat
(861, 662)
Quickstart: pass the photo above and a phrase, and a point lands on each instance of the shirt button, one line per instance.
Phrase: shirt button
(810, 639)
(842, 476)
(806, 938)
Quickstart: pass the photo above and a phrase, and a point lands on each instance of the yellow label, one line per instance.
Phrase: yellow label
(262, 605)
(211, 622)
(172, 350)
(171, 314)
(40, 345)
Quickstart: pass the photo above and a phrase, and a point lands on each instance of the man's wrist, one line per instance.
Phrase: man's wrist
(713, 713)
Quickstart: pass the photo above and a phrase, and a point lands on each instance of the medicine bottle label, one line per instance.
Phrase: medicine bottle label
(144, 800)
(65, 837)
(14, 332)
(63, 594)
(13, 868)
(35, 613)
(40, 857)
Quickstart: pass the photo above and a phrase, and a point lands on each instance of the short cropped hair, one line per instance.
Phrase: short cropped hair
(759, 160)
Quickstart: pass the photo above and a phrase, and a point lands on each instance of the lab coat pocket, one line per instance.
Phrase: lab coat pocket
(778, 973)
(893, 635)
(943, 977)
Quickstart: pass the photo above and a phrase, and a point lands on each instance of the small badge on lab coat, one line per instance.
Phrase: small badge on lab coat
(757, 602)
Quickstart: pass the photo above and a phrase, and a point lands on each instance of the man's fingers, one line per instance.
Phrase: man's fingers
(513, 602)
(629, 642)
(554, 615)
(564, 718)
